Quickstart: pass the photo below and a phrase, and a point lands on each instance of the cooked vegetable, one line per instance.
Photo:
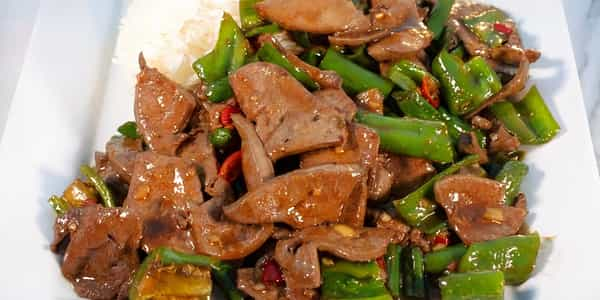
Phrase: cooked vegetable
(231, 168)
(219, 90)
(402, 80)
(79, 194)
(484, 26)
(410, 208)
(535, 112)
(413, 272)
(412, 104)
(513, 255)
(59, 204)
(511, 175)
(99, 184)
(412, 137)
(129, 129)
(165, 257)
(314, 55)
(221, 137)
(271, 28)
(473, 286)
(393, 260)
(356, 79)
(439, 16)
(353, 281)
(248, 15)
(269, 53)
(439, 260)
(506, 113)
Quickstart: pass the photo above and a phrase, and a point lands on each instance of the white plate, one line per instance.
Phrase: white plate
(70, 97)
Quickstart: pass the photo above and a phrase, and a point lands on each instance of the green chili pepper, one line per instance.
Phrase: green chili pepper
(356, 79)
(314, 55)
(506, 113)
(459, 52)
(269, 53)
(59, 204)
(129, 130)
(248, 15)
(511, 176)
(392, 262)
(412, 104)
(99, 184)
(220, 137)
(413, 137)
(302, 38)
(438, 261)
(482, 25)
(537, 115)
(165, 256)
(414, 71)
(464, 85)
(410, 208)
(219, 91)
(439, 17)
(473, 286)
(513, 255)
(360, 56)
(413, 272)
(271, 28)
(401, 80)
(351, 280)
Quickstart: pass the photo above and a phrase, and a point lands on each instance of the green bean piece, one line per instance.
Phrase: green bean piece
(165, 256)
(413, 272)
(59, 204)
(513, 255)
(511, 175)
(413, 137)
(402, 80)
(439, 17)
(537, 115)
(219, 91)
(356, 78)
(129, 130)
(220, 137)
(269, 53)
(99, 184)
(506, 113)
(473, 286)
(271, 28)
(393, 258)
(248, 15)
(411, 205)
(438, 261)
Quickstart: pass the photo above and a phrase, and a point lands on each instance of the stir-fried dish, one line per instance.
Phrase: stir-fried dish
(332, 149)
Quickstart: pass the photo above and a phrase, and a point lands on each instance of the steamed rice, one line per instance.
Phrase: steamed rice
(171, 34)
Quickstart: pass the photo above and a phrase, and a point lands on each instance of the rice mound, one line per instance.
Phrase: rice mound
(171, 34)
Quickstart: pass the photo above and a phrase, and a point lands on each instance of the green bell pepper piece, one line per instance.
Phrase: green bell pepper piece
(513, 255)
(511, 175)
(129, 130)
(356, 78)
(165, 256)
(439, 17)
(439, 260)
(413, 137)
(413, 272)
(410, 208)
(537, 115)
(473, 286)
(269, 53)
(219, 90)
(248, 15)
(393, 259)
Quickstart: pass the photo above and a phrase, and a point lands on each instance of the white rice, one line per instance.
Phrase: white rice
(171, 33)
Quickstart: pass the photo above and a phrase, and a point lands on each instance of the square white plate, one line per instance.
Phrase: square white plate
(70, 99)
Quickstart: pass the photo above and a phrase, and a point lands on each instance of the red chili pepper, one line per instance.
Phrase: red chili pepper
(225, 116)
(503, 28)
(430, 91)
(271, 273)
(232, 167)
(441, 239)
(381, 262)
